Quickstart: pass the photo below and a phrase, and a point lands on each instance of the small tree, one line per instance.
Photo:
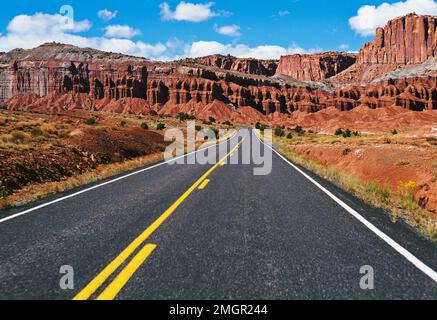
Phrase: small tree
(279, 132)
(258, 125)
(90, 121)
(144, 126)
(338, 132)
(347, 133)
(160, 126)
(289, 136)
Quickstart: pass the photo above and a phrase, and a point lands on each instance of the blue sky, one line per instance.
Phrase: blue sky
(173, 29)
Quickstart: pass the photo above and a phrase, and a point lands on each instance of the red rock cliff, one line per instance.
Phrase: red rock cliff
(409, 39)
(244, 65)
(315, 67)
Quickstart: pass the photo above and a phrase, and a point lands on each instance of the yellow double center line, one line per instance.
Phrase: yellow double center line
(112, 290)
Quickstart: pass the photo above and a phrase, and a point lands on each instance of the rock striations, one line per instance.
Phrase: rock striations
(397, 69)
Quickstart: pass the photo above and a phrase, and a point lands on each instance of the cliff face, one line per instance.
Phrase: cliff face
(411, 39)
(56, 77)
(316, 67)
(244, 65)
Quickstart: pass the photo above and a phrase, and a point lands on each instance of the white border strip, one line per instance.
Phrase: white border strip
(16, 215)
(404, 252)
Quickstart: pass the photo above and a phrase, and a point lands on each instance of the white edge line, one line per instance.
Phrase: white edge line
(404, 252)
(18, 214)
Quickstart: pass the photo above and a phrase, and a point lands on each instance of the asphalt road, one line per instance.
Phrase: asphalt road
(277, 236)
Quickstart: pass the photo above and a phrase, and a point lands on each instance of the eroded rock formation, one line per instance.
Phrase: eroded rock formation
(315, 67)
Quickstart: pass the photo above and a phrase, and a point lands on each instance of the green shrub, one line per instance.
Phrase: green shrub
(90, 121)
(182, 116)
(122, 123)
(289, 136)
(279, 132)
(153, 113)
(160, 126)
(339, 132)
(347, 134)
(394, 132)
(299, 130)
(198, 128)
(36, 132)
(211, 119)
(144, 126)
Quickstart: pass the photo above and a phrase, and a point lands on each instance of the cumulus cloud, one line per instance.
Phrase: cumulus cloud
(121, 31)
(31, 31)
(107, 15)
(231, 30)
(370, 17)
(283, 13)
(343, 46)
(186, 11)
(27, 32)
(204, 48)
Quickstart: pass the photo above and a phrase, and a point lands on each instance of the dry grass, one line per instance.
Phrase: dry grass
(400, 205)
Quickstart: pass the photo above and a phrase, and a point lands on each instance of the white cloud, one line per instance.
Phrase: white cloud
(121, 31)
(186, 11)
(283, 13)
(231, 30)
(343, 46)
(205, 48)
(31, 31)
(107, 15)
(370, 17)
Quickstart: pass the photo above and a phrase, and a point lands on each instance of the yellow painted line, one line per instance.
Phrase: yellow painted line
(222, 164)
(123, 277)
(203, 184)
(114, 264)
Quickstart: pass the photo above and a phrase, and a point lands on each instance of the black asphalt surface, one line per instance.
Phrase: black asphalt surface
(276, 236)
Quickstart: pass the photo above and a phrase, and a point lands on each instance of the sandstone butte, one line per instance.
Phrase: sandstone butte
(397, 69)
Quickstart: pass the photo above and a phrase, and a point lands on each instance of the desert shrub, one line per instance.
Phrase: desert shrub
(401, 163)
(69, 121)
(357, 133)
(49, 128)
(257, 125)
(160, 126)
(279, 132)
(208, 123)
(144, 126)
(227, 123)
(153, 113)
(198, 128)
(182, 116)
(36, 132)
(90, 121)
(289, 136)
(299, 130)
(339, 132)
(347, 133)
(394, 132)
(211, 119)
(407, 189)
(3, 191)
(122, 123)
(191, 117)
(346, 151)
(19, 137)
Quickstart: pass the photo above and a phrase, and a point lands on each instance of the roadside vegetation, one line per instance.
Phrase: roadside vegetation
(43, 154)
(314, 152)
